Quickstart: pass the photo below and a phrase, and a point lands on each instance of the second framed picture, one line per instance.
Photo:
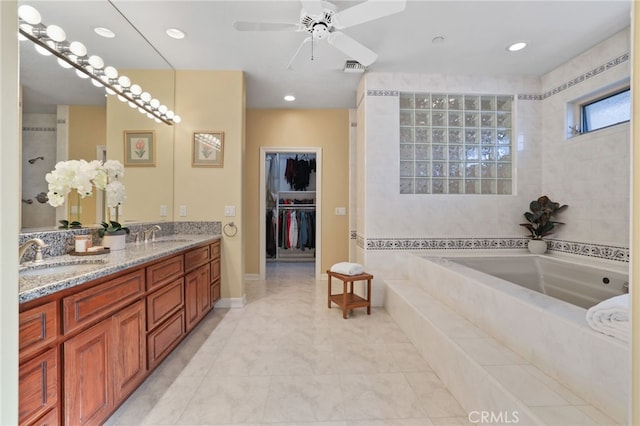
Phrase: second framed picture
(208, 149)
(139, 148)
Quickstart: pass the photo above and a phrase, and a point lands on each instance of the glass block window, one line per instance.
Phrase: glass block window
(455, 144)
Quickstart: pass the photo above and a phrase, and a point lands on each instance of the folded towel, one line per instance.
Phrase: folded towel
(347, 268)
(611, 317)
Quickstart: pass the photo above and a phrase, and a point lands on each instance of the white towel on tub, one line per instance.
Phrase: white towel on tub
(347, 268)
(611, 317)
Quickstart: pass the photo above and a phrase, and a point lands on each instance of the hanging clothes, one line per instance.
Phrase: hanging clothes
(297, 172)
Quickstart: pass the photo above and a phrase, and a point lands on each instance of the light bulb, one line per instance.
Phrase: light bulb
(155, 103)
(151, 116)
(124, 81)
(136, 89)
(133, 104)
(81, 74)
(122, 98)
(109, 91)
(77, 48)
(96, 62)
(56, 33)
(63, 63)
(96, 83)
(110, 72)
(41, 50)
(142, 110)
(29, 14)
(27, 29)
(158, 120)
(169, 114)
(177, 119)
(145, 96)
(163, 109)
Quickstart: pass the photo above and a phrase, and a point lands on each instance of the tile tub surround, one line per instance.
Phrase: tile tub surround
(549, 334)
(35, 286)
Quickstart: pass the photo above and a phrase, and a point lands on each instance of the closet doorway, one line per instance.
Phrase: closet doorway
(290, 206)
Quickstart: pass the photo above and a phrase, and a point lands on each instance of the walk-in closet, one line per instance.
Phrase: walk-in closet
(290, 215)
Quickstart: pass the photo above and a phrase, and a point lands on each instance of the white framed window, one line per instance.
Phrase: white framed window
(598, 110)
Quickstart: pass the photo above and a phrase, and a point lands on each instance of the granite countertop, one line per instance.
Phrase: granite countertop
(62, 272)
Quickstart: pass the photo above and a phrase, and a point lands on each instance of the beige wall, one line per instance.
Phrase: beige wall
(327, 129)
(213, 101)
(87, 130)
(635, 225)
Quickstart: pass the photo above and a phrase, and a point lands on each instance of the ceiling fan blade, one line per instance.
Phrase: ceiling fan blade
(313, 7)
(264, 26)
(367, 11)
(304, 43)
(352, 48)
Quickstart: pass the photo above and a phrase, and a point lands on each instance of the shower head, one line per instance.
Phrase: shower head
(33, 160)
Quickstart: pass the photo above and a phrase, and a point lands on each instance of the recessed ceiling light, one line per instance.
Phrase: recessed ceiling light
(289, 98)
(104, 32)
(175, 33)
(516, 46)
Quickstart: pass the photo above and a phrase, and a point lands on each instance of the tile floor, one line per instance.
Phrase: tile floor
(285, 359)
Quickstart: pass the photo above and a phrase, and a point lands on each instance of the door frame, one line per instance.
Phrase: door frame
(264, 150)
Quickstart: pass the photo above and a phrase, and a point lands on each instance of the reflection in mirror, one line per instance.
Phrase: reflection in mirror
(63, 116)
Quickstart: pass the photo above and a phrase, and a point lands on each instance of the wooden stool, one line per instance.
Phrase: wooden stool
(347, 299)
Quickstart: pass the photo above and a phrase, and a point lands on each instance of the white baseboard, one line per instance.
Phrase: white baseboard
(232, 302)
(251, 277)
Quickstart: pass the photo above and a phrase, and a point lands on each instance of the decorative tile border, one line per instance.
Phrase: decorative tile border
(622, 59)
(620, 254)
(39, 129)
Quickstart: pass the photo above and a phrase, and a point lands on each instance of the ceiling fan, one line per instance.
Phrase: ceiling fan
(322, 21)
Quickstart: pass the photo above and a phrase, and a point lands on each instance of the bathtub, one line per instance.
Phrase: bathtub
(576, 283)
(546, 331)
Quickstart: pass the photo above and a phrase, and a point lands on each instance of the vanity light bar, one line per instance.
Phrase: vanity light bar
(93, 67)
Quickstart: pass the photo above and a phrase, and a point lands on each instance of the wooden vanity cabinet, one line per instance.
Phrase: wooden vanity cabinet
(84, 351)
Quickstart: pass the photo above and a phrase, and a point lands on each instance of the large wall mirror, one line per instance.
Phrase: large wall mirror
(67, 117)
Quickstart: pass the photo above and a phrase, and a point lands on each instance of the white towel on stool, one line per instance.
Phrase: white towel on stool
(611, 317)
(347, 268)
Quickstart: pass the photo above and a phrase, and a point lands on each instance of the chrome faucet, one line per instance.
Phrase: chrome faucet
(151, 232)
(39, 246)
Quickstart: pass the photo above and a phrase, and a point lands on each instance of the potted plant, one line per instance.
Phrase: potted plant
(540, 223)
(113, 235)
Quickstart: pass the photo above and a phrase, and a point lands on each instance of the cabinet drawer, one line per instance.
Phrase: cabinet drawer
(38, 390)
(161, 304)
(165, 271)
(52, 418)
(215, 250)
(215, 292)
(196, 257)
(99, 301)
(215, 270)
(163, 339)
(38, 328)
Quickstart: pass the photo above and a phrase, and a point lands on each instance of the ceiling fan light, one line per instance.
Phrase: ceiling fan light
(56, 33)
(29, 14)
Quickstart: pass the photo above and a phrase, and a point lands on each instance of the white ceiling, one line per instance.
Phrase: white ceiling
(476, 34)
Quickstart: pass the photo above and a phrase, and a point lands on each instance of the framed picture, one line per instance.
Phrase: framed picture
(208, 149)
(139, 148)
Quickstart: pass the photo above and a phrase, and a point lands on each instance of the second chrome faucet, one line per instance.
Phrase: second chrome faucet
(149, 234)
